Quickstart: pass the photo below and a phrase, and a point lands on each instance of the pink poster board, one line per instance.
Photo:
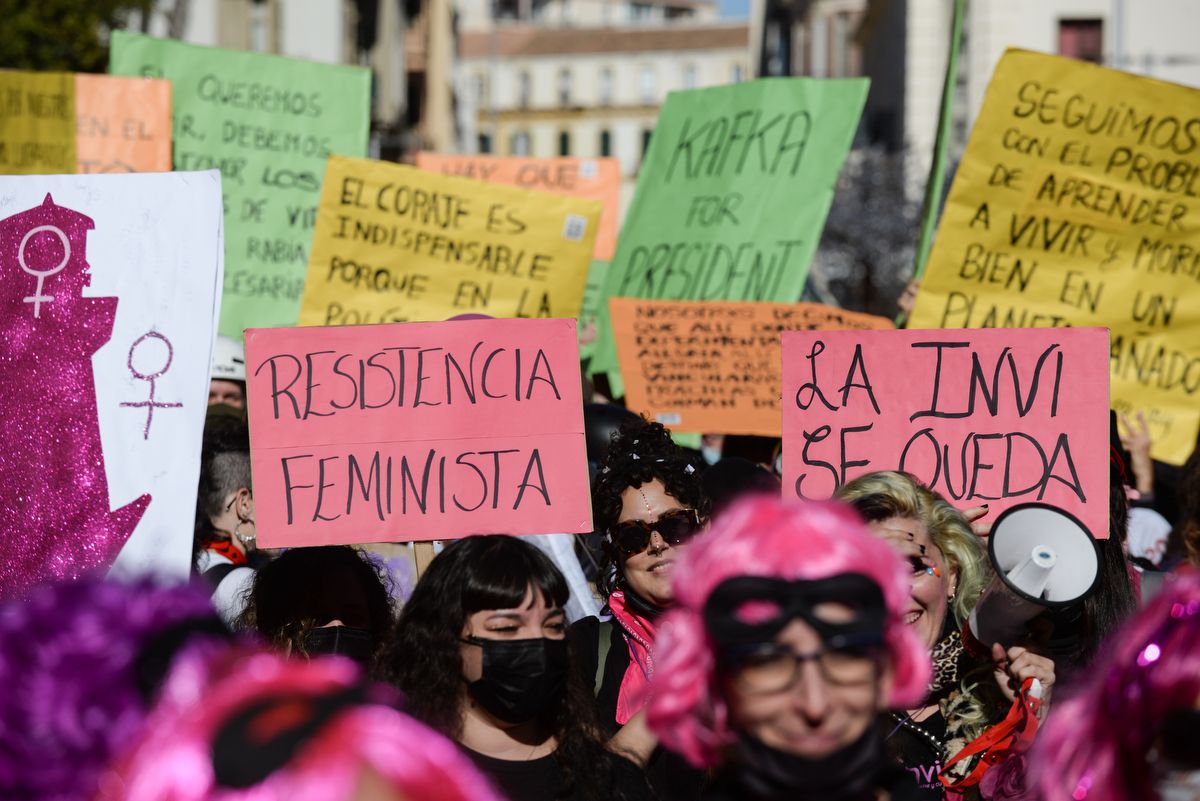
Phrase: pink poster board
(416, 431)
(995, 417)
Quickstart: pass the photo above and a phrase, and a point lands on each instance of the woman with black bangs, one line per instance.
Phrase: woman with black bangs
(480, 651)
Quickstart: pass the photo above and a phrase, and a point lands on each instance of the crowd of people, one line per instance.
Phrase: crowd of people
(744, 647)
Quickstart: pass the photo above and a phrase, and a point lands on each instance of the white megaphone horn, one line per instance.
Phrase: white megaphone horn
(1043, 557)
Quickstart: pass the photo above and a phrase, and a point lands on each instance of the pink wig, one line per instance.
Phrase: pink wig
(1095, 746)
(173, 759)
(769, 538)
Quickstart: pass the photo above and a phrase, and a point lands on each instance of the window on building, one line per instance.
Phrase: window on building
(1082, 39)
(689, 76)
(524, 88)
(485, 143)
(506, 9)
(735, 74)
(519, 144)
(564, 143)
(605, 86)
(649, 89)
(640, 12)
(564, 87)
(840, 42)
(605, 142)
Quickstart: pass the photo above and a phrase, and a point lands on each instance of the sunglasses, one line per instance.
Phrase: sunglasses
(675, 527)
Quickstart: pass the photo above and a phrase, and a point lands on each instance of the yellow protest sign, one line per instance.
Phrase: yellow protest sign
(395, 244)
(1077, 203)
(37, 123)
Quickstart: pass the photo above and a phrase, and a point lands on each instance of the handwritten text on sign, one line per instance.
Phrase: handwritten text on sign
(396, 244)
(267, 123)
(37, 122)
(733, 195)
(996, 417)
(595, 179)
(417, 431)
(1078, 203)
(714, 366)
(124, 124)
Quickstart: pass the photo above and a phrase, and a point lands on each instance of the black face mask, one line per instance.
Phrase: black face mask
(767, 774)
(521, 678)
(357, 644)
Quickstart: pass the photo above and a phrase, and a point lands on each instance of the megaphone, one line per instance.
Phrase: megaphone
(1043, 557)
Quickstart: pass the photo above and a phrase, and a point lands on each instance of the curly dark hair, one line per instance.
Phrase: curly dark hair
(307, 587)
(640, 452)
(422, 657)
(1184, 543)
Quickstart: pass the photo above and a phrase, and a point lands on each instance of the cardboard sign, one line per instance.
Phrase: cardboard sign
(589, 311)
(995, 417)
(108, 317)
(267, 123)
(594, 179)
(733, 194)
(37, 122)
(398, 244)
(416, 432)
(123, 124)
(714, 367)
(1078, 203)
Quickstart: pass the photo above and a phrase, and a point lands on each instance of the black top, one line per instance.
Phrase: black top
(916, 748)
(672, 778)
(892, 782)
(541, 779)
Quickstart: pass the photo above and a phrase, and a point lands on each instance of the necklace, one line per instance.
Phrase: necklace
(906, 722)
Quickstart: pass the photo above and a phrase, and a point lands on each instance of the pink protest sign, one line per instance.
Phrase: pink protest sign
(981, 416)
(416, 431)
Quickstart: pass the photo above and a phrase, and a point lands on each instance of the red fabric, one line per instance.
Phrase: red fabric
(230, 551)
(1011, 736)
(639, 638)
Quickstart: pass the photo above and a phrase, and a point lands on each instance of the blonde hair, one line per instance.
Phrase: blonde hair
(888, 493)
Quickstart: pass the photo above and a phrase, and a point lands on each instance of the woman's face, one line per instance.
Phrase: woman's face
(534, 618)
(649, 573)
(809, 707)
(933, 580)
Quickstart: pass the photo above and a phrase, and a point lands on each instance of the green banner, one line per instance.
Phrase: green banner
(268, 123)
(593, 296)
(733, 194)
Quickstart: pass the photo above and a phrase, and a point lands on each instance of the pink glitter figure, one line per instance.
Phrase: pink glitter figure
(55, 506)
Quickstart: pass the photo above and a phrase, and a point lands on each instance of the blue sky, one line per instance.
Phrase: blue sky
(734, 9)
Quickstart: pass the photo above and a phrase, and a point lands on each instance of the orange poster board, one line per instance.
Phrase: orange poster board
(594, 179)
(714, 366)
(122, 124)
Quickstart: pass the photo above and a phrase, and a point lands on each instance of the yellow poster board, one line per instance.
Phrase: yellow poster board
(397, 244)
(37, 123)
(1077, 203)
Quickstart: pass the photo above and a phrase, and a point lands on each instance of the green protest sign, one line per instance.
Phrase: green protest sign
(267, 123)
(733, 194)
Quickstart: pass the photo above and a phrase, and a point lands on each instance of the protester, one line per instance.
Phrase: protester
(81, 663)
(1185, 537)
(1130, 734)
(325, 600)
(228, 383)
(785, 646)
(480, 653)
(948, 570)
(270, 729)
(648, 502)
(225, 529)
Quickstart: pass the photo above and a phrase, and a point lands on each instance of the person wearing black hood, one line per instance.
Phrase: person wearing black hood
(648, 502)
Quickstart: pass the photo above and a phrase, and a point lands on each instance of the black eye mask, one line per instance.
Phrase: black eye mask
(783, 601)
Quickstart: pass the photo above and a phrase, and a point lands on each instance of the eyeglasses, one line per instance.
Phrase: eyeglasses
(675, 527)
(772, 667)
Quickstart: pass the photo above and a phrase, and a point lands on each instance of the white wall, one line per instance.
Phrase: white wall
(313, 30)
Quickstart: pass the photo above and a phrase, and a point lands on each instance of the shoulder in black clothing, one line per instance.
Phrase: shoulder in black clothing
(541, 779)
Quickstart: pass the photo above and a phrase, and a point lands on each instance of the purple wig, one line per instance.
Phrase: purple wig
(177, 756)
(69, 664)
(1096, 745)
(766, 537)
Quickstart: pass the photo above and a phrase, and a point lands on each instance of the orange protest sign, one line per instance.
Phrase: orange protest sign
(714, 366)
(122, 124)
(594, 179)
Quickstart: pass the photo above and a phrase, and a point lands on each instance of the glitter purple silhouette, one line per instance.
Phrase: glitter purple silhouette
(55, 502)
